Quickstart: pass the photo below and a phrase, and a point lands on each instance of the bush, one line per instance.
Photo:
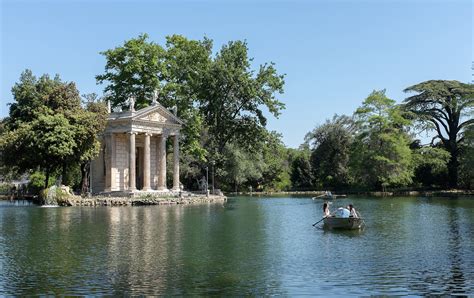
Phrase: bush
(37, 182)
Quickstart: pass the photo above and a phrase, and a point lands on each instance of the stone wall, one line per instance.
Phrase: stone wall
(143, 200)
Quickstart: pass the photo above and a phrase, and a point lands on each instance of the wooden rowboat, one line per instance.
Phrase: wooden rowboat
(347, 223)
(329, 197)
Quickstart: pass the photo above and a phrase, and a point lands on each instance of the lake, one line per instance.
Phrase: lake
(247, 246)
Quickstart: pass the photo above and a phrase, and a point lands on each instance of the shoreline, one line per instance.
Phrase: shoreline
(111, 200)
(412, 193)
(142, 201)
(115, 201)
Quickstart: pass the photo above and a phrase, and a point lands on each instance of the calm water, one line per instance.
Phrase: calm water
(247, 246)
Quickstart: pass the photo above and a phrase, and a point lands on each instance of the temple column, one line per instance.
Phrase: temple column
(131, 165)
(146, 163)
(176, 162)
(113, 167)
(162, 162)
(108, 162)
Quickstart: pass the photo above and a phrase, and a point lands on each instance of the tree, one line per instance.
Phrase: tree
(221, 98)
(430, 164)
(301, 175)
(441, 106)
(467, 159)
(134, 69)
(48, 128)
(276, 172)
(140, 68)
(241, 167)
(331, 143)
(380, 155)
(89, 122)
(233, 96)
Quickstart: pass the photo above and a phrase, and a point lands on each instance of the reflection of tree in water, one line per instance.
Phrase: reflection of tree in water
(457, 282)
(186, 250)
(51, 251)
(448, 276)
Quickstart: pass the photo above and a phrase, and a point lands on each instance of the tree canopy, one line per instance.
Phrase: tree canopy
(47, 127)
(381, 156)
(331, 144)
(221, 98)
(444, 106)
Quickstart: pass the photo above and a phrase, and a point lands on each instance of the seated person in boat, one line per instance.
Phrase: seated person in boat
(352, 211)
(342, 212)
(326, 212)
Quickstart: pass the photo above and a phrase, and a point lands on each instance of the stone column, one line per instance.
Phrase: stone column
(108, 162)
(113, 167)
(176, 162)
(162, 162)
(131, 165)
(146, 163)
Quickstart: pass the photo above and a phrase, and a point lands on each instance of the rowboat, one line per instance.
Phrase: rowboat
(347, 223)
(329, 197)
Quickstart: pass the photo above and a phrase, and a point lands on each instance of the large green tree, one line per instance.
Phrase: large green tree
(47, 127)
(301, 175)
(467, 159)
(444, 107)
(221, 98)
(381, 156)
(133, 69)
(331, 143)
(233, 95)
(430, 164)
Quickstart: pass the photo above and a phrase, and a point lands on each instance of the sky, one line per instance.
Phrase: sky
(333, 53)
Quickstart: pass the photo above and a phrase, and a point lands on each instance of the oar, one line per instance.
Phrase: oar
(319, 221)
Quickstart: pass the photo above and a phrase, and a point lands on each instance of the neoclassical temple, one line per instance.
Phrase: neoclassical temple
(133, 151)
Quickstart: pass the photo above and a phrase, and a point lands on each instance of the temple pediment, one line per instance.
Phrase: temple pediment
(156, 113)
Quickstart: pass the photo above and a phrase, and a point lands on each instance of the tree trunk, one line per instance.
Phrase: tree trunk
(453, 166)
(47, 179)
(62, 178)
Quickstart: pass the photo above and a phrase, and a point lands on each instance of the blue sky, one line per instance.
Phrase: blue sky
(334, 53)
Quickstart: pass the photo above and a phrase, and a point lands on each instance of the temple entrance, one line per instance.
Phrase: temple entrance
(139, 167)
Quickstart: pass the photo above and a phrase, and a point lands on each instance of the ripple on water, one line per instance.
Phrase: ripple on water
(252, 247)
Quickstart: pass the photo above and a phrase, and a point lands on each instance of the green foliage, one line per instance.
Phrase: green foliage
(275, 176)
(221, 98)
(233, 95)
(48, 127)
(37, 182)
(6, 188)
(467, 159)
(241, 167)
(267, 169)
(331, 144)
(381, 156)
(301, 176)
(135, 68)
(430, 165)
(442, 106)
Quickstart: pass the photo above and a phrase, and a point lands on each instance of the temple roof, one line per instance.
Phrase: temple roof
(154, 119)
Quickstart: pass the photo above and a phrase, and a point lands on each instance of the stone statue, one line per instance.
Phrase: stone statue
(202, 183)
(154, 99)
(132, 103)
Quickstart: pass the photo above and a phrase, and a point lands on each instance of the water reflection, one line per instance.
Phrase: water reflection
(410, 246)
